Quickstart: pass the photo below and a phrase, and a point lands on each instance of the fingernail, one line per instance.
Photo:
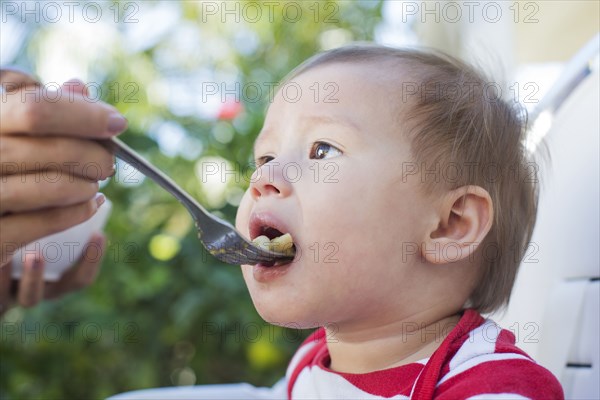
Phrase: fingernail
(34, 261)
(37, 262)
(116, 123)
(98, 239)
(72, 81)
(100, 199)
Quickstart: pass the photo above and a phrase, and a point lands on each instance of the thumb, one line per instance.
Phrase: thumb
(89, 265)
(5, 286)
(31, 286)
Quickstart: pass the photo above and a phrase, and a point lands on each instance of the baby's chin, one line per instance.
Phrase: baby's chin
(279, 309)
(287, 319)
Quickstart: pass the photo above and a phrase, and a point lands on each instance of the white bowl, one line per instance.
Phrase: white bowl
(62, 250)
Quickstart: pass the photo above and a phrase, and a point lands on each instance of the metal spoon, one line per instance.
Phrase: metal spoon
(219, 237)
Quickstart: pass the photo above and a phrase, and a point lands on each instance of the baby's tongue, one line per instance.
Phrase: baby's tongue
(281, 244)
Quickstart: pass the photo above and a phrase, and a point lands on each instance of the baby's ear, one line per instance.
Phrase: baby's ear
(466, 217)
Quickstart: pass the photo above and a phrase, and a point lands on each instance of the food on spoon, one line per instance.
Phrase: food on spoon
(262, 242)
(282, 244)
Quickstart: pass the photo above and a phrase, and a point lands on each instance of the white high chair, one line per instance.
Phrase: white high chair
(555, 307)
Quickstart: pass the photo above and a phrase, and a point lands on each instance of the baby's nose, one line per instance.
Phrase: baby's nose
(268, 180)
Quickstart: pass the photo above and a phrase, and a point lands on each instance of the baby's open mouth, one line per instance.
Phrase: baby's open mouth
(274, 240)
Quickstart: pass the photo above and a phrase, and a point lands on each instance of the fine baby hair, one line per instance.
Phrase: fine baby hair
(461, 129)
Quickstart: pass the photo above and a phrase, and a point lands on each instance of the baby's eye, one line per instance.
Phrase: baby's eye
(322, 150)
(260, 161)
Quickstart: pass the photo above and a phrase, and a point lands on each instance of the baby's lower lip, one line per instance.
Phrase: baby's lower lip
(266, 274)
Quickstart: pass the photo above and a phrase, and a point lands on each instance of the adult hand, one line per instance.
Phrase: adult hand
(50, 164)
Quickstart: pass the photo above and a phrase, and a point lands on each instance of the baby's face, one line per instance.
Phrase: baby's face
(331, 176)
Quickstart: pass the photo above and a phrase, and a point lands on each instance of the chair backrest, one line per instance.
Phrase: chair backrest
(555, 307)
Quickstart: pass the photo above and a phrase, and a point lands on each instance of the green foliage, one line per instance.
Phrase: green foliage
(163, 311)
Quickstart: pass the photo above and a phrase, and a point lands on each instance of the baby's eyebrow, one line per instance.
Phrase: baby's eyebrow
(310, 121)
(328, 119)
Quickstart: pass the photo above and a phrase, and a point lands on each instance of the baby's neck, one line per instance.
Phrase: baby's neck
(375, 348)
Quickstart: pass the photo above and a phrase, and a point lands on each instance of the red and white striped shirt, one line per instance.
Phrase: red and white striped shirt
(477, 360)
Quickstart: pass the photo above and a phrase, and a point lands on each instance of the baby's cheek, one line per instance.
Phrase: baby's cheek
(243, 214)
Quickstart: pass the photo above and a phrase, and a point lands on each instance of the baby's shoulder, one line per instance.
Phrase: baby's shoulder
(487, 363)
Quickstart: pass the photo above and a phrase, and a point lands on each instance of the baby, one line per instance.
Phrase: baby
(403, 181)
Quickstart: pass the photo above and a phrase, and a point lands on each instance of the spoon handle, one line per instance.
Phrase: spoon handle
(127, 154)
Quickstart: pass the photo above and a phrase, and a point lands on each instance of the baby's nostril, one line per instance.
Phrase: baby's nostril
(259, 191)
(255, 193)
(272, 189)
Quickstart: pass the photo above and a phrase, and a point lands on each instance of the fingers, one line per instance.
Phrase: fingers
(46, 182)
(79, 157)
(5, 286)
(20, 229)
(28, 107)
(21, 193)
(13, 79)
(84, 273)
(31, 285)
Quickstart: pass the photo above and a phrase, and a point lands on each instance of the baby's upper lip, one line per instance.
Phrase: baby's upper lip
(260, 220)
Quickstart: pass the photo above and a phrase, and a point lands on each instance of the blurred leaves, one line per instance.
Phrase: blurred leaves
(163, 312)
